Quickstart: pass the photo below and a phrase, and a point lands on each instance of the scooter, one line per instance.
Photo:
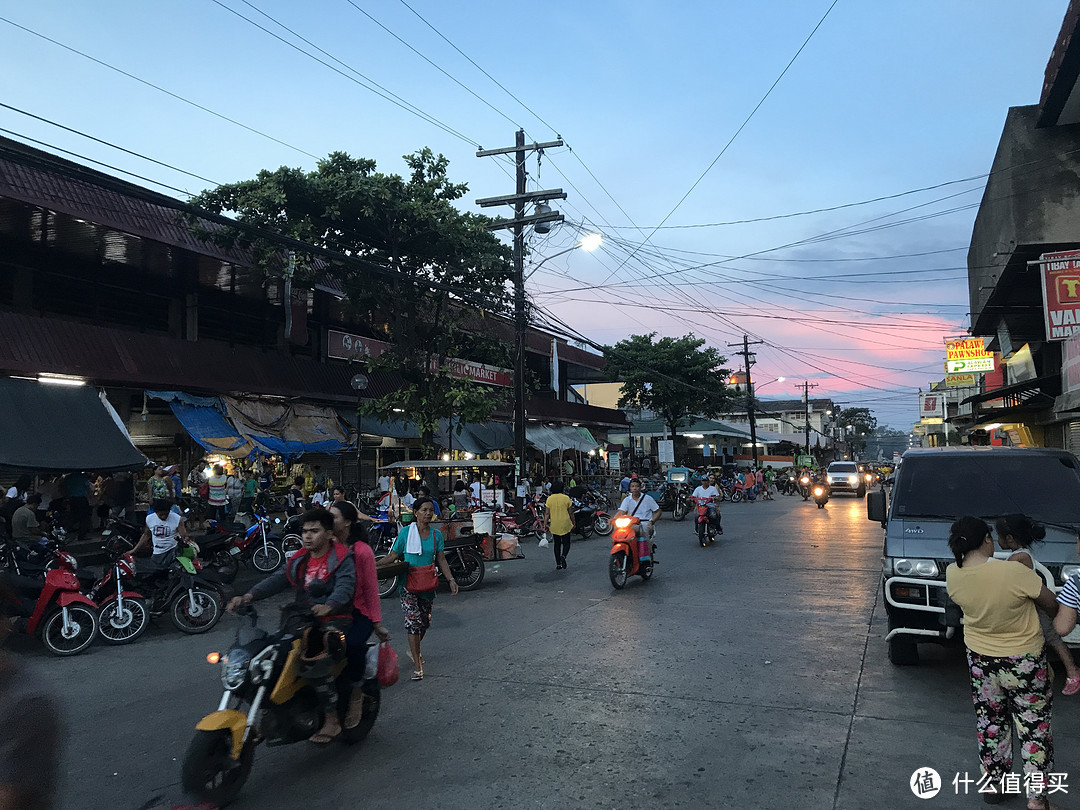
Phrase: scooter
(65, 619)
(265, 701)
(804, 487)
(627, 550)
(706, 532)
(821, 494)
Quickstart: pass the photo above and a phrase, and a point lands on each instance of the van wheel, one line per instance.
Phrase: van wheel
(903, 652)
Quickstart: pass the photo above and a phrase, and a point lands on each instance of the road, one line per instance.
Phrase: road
(751, 674)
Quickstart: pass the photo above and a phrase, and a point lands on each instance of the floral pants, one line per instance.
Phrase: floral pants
(1015, 691)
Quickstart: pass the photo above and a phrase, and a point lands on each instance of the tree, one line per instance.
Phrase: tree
(674, 377)
(441, 262)
(862, 423)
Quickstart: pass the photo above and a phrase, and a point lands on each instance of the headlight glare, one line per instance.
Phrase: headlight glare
(234, 668)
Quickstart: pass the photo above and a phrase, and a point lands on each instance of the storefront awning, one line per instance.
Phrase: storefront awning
(560, 437)
(476, 437)
(289, 429)
(62, 429)
(205, 421)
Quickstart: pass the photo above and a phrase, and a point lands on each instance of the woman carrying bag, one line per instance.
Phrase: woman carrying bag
(421, 546)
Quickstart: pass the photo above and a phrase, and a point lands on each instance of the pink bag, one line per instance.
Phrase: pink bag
(388, 666)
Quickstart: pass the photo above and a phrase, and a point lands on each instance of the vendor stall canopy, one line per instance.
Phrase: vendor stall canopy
(62, 429)
(457, 464)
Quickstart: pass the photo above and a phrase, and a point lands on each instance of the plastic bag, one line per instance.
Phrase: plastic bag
(388, 665)
(543, 540)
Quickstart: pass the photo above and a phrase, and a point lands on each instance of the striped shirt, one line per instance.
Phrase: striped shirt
(1069, 595)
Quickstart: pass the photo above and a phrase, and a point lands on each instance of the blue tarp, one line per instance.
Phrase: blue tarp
(209, 427)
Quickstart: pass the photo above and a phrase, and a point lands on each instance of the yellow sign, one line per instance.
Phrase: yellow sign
(959, 380)
(969, 349)
(977, 364)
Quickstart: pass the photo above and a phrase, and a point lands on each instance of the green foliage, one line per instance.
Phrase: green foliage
(862, 422)
(674, 377)
(410, 226)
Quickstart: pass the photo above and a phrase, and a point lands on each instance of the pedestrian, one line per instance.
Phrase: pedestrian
(568, 467)
(123, 496)
(217, 485)
(624, 485)
(173, 474)
(104, 487)
(383, 483)
(1010, 676)
(421, 546)
(461, 496)
(760, 483)
(249, 486)
(769, 476)
(1018, 533)
(76, 489)
(31, 734)
(560, 517)
(157, 488)
(234, 490)
(366, 616)
(294, 498)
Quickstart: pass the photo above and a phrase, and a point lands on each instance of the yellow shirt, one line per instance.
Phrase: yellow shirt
(999, 614)
(558, 507)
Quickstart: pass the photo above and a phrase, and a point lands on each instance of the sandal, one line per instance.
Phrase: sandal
(1072, 686)
(418, 674)
(355, 713)
(322, 736)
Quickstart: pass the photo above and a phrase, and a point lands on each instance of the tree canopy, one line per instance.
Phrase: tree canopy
(443, 263)
(862, 423)
(674, 377)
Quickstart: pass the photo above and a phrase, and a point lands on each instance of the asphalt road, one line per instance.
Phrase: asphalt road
(751, 674)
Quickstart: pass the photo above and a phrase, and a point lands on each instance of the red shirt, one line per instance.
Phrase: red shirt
(367, 583)
(316, 569)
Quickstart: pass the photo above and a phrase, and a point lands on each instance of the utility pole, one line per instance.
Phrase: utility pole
(519, 200)
(806, 386)
(748, 360)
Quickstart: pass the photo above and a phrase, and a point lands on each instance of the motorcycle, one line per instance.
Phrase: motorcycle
(29, 558)
(706, 532)
(626, 552)
(123, 614)
(259, 545)
(821, 494)
(804, 487)
(265, 701)
(65, 619)
(684, 503)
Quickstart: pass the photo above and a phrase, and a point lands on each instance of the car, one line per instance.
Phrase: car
(844, 476)
(936, 486)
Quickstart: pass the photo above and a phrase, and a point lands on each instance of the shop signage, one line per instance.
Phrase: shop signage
(931, 404)
(966, 349)
(1061, 293)
(977, 365)
(1070, 365)
(613, 460)
(343, 346)
(959, 380)
(665, 449)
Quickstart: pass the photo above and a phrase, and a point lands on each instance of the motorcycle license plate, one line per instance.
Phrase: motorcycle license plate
(234, 551)
(106, 533)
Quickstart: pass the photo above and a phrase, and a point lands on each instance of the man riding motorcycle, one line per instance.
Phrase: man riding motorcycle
(709, 490)
(323, 576)
(642, 506)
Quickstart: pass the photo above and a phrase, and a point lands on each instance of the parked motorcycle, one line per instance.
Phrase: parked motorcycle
(684, 503)
(123, 613)
(32, 558)
(55, 610)
(584, 519)
(821, 494)
(706, 532)
(258, 545)
(265, 701)
(626, 552)
(466, 560)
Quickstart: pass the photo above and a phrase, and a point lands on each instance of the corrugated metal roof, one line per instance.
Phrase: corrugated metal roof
(31, 345)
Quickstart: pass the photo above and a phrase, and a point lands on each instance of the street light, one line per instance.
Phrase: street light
(588, 243)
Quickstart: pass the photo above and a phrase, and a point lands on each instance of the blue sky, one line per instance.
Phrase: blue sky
(885, 98)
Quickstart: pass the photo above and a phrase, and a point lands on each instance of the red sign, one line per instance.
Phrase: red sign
(344, 346)
(1061, 293)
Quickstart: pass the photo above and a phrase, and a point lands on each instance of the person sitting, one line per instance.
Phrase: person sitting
(642, 506)
(708, 491)
(166, 527)
(323, 576)
(24, 522)
(425, 492)
(461, 496)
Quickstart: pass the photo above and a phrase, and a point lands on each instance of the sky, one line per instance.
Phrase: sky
(698, 136)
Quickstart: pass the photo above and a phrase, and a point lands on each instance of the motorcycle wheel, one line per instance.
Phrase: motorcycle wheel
(617, 570)
(387, 585)
(821, 506)
(586, 531)
(117, 627)
(81, 630)
(267, 558)
(290, 544)
(206, 614)
(603, 525)
(701, 534)
(210, 773)
(679, 511)
(736, 495)
(226, 565)
(469, 574)
(646, 570)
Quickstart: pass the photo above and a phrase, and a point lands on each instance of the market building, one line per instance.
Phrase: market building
(202, 355)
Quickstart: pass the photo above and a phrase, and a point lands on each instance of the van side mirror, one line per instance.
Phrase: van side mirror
(875, 506)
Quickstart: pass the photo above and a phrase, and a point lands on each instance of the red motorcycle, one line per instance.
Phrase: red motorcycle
(627, 550)
(123, 615)
(56, 610)
(528, 521)
(706, 532)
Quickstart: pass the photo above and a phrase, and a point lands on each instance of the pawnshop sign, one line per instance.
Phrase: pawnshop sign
(343, 346)
(1061, 293)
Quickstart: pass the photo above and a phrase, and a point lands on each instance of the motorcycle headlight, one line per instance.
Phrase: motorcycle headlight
(818, 491)
(234, 668)
(915, 568)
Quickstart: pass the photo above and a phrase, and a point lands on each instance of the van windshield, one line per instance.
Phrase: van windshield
(1046, 488)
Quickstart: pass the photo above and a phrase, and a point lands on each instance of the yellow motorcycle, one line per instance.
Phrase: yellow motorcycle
(267, 699)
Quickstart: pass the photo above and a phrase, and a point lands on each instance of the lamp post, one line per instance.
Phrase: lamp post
(587, 243)
(359, 384)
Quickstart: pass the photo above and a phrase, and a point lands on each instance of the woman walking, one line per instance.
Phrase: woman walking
(366, 613)
(1010, 677)
(560, 515)
(421, 546)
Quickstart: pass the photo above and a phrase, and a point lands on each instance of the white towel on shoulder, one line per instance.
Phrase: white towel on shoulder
(412, 542)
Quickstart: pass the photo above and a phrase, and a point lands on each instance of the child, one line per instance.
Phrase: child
(1017, 533)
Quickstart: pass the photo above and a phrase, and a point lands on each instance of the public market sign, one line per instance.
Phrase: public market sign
(977, 365)
(1061, 293)
(343, 346)
(966, 349)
